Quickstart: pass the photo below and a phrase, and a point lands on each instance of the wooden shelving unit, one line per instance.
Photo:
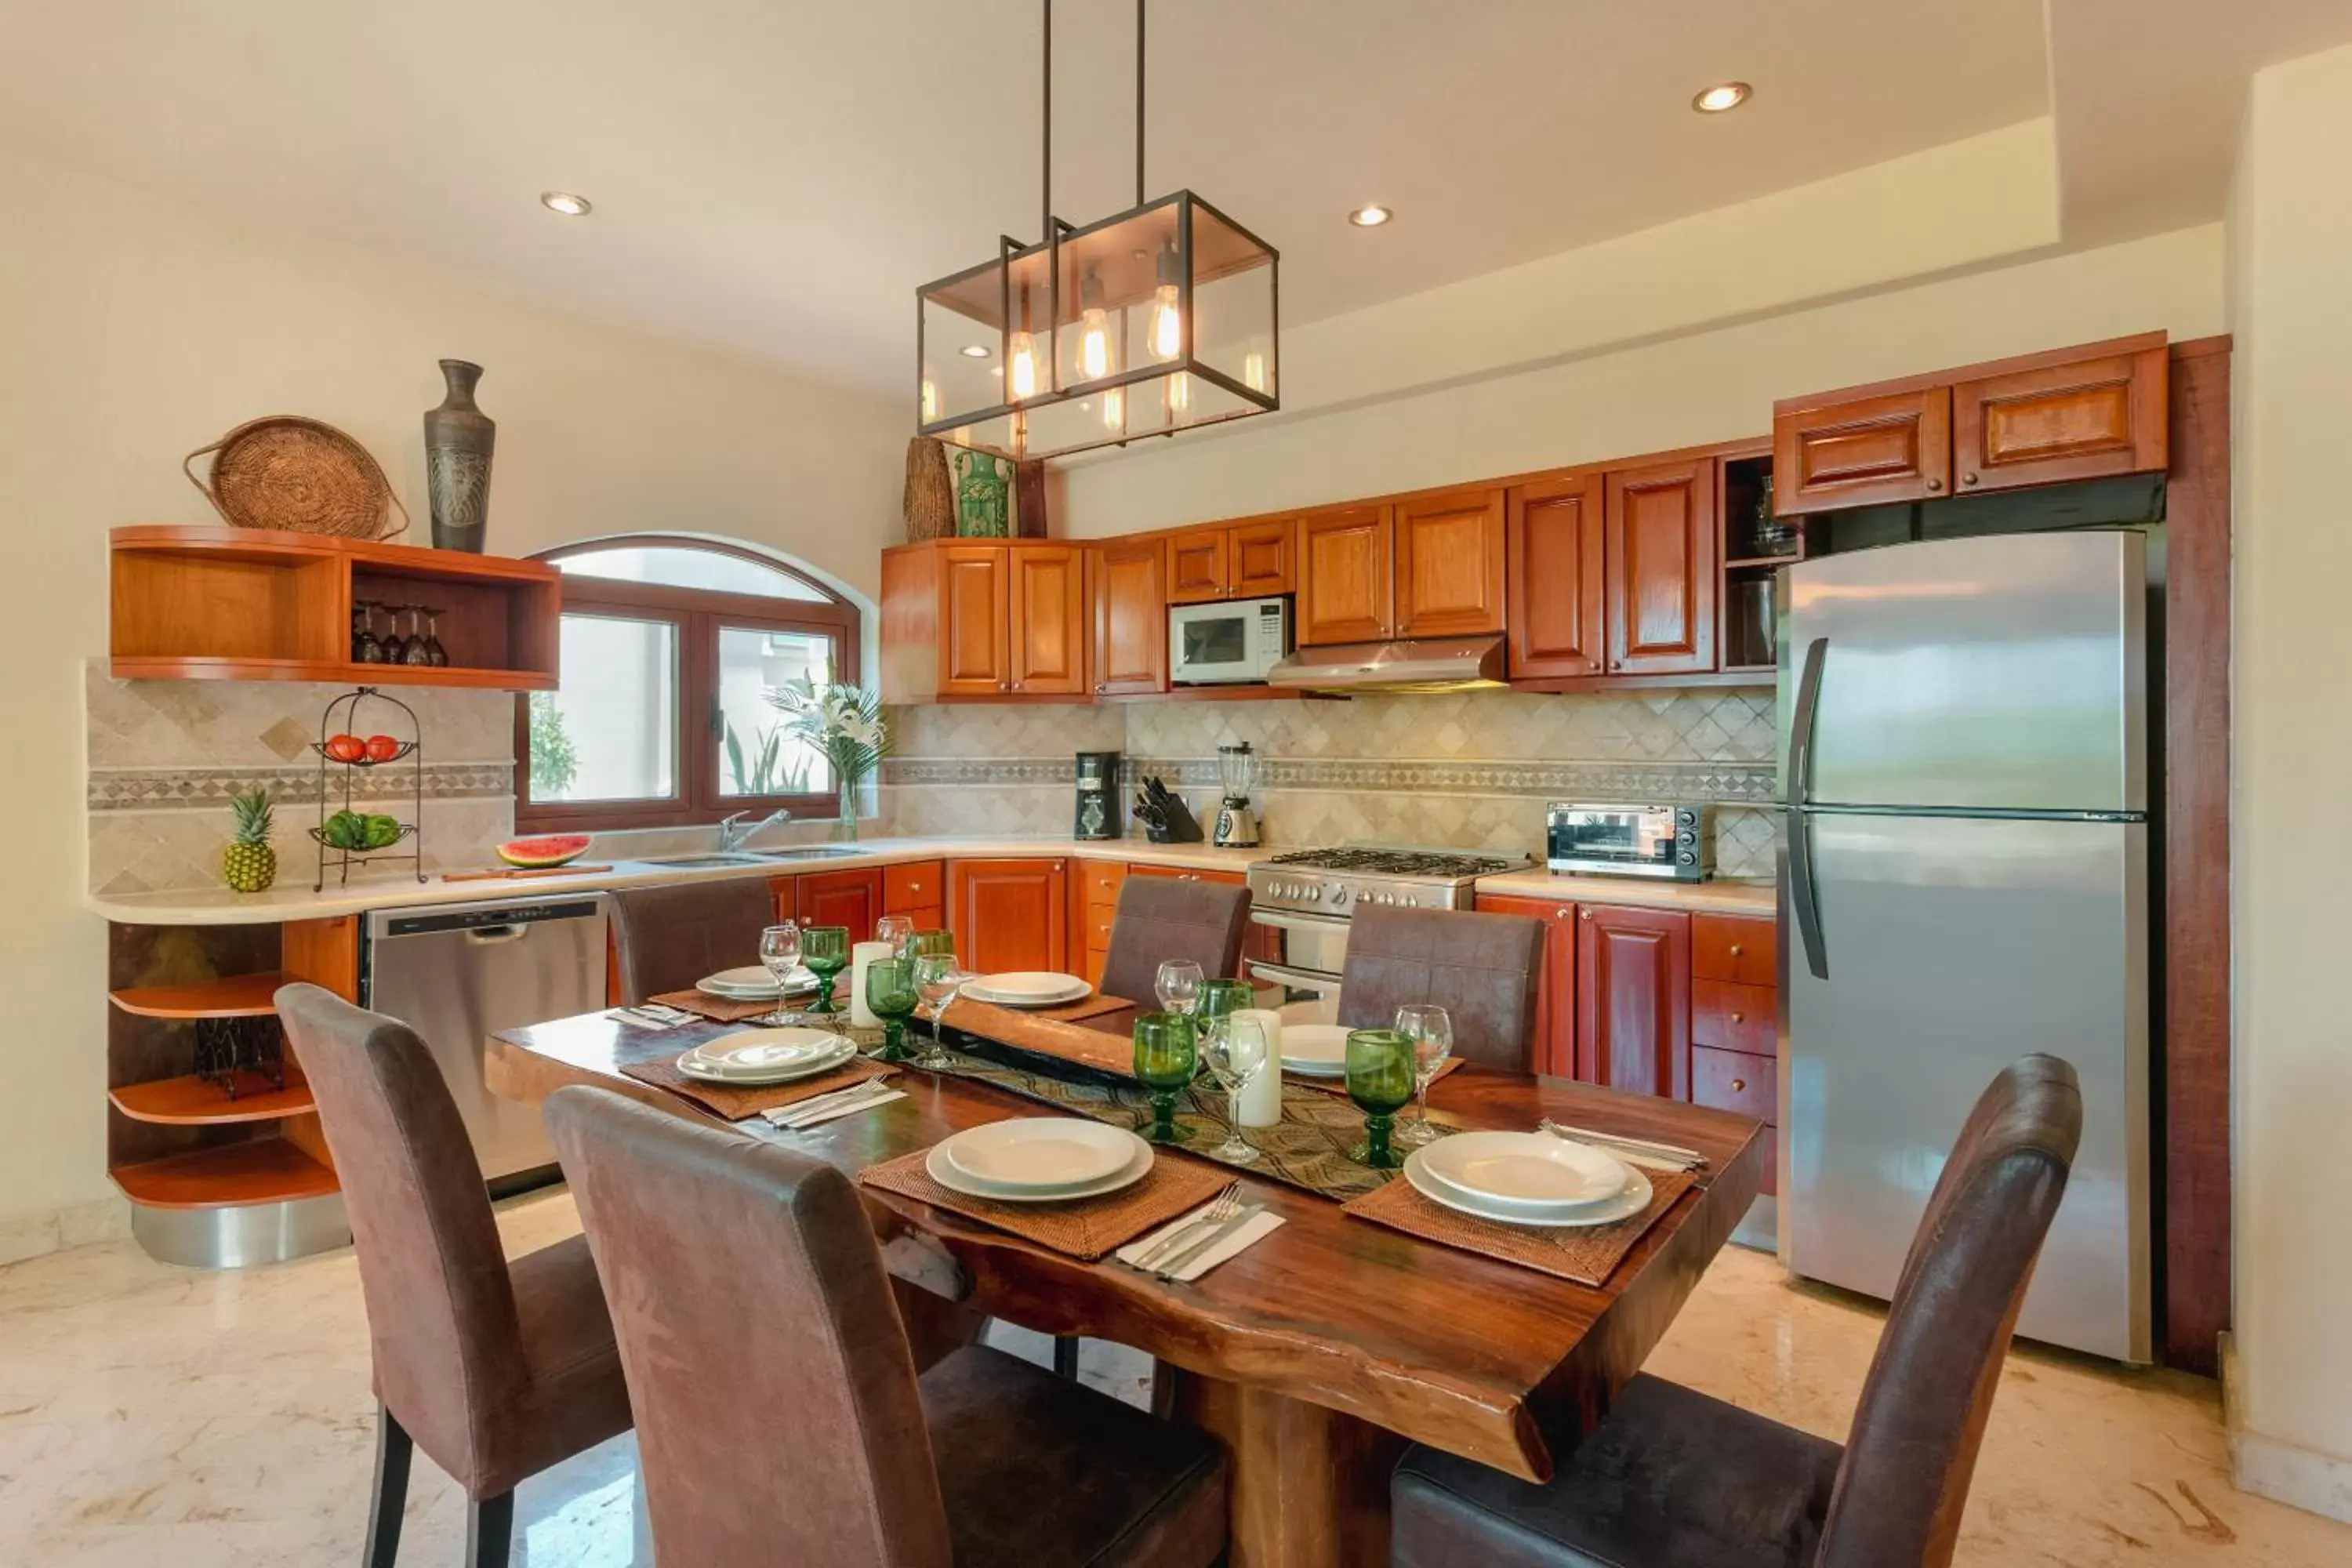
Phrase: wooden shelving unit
(193, 1102)
(234, 603)
(230, 996)
(257, 1171)
(1748, 562)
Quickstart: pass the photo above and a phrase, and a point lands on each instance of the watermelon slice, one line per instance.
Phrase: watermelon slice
(549, 850)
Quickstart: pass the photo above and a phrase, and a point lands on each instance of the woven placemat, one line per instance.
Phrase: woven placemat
(709, 1007)
(742, 1104)
(1585, 1254)
(1086, 1228)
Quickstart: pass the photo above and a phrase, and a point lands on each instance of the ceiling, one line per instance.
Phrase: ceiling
(778, 176)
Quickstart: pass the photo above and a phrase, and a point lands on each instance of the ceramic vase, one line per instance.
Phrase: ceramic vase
(458, 440)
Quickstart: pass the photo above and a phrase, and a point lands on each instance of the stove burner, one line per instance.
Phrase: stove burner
(1394, 862)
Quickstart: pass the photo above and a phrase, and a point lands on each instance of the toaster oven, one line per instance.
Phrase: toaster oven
(1619, 839)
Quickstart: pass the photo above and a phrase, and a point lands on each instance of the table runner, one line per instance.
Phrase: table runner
(1084, 1228)
(742, 1104)
(1585, 1254)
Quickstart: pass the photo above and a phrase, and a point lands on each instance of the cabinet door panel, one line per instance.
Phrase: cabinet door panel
(1633, 999)
(1735, 1017)
(1660, 565)
(1009, 914)
(848, 899)
(1555, 578)
(1449, 564)
(1863, 453)
(1735, 1080)
(1555, 1045)
(2079, 421)
(1258, 559)
(916, 885)
(974, 614)
(1345, 575)
(1049, 634)
(1745, 948)
(1130, 618)
(1197, 567)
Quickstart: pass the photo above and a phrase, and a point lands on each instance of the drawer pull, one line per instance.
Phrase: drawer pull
(1738, 1084)
(1737, 950)
(1562, 912)
(1586, 915)
(1739, 1017)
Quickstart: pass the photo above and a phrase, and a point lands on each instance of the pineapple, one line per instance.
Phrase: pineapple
(250, 864)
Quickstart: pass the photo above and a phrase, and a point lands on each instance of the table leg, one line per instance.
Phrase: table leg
(1309, 1485)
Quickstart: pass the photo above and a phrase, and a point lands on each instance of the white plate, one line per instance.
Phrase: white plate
(766, 1055)
(1027, 988)
(944, 1173)
(1315, 1050)
(751, 983)
(1038, 1153)
(1624, 1205)
(1526, 1173)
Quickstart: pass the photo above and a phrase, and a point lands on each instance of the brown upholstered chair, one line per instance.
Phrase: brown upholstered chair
(1482, 969)
(780, 1419)
(1674, 1479)
(496, 1370)
(1161, 918)
(666, 938)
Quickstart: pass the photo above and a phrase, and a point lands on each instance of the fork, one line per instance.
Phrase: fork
(1224, 1207)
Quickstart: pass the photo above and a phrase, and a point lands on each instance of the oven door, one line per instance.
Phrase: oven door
(1302, 956)
(1208, 643)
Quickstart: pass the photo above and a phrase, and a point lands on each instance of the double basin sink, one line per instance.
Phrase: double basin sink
(751, 856)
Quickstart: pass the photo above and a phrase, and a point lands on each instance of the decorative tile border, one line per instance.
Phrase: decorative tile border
(205, 789)
(902, 771)
(1728, 781)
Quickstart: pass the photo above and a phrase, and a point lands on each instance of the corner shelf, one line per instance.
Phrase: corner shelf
(229, 996)
(193, 1102)
(259, 1171)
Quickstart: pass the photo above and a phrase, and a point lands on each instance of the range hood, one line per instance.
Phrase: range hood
(1429, 664)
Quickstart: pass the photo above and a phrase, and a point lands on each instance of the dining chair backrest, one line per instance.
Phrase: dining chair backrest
(666, 938)
(774, 1394)
(1913, 1446)
(1482, 969)
(440, 1304)
(1164, 918)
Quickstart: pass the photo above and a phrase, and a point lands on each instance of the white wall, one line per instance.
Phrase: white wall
(132, 330)
(2291, 298)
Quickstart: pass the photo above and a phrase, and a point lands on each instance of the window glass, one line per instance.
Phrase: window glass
(611, 733)
(686, 567)
(756, 756)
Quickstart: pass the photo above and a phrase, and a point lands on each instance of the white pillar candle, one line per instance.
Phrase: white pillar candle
(860, 955)
(1261, 1098)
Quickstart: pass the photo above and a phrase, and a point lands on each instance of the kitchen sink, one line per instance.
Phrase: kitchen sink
(705, 859)
(808, 852)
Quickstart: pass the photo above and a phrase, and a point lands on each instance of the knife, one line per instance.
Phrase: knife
(1175, 1266)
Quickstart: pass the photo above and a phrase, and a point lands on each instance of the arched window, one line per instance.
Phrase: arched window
(670, 646)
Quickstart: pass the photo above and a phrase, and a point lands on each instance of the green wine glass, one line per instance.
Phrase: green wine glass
(891, 995)
(1165, 1058)
(1221, 998)
(1381, 1079)
(825, 952)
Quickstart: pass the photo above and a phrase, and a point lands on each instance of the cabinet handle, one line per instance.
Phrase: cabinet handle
(1934, 485)
(1004, 686)
(1737, 950)
(1586, 915)
(1561, 913)
(1102, 686)
(1739, 1017)
(1967, 479)
(1738, 1084)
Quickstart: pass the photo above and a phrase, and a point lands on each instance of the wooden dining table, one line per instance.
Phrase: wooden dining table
(1314, 1356)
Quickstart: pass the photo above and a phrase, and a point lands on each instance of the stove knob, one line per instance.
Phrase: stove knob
(1338, 894)
(1276, 891)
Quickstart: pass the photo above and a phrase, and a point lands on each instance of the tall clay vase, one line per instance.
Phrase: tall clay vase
(458, 441)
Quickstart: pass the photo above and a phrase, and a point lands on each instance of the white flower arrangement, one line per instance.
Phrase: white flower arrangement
(844, 722)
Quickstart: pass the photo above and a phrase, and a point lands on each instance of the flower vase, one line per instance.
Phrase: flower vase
(847, 834)
(459, 439)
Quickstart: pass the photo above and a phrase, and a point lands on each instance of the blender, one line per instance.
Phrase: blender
(1237, 824)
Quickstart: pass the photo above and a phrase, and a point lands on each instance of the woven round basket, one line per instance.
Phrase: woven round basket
(299, 475)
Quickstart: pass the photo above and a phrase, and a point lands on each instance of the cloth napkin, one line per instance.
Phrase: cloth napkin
(1259, 1227)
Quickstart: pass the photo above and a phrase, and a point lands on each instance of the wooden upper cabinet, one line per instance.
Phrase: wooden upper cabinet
(1553, 558)
(1257, 556)
(1660, 564)
(2082, 420)
(1449, 564)
(1198, 566)
(1346, 576)
(1863, 453)
(1048, 638)
(975, 620)
(1633, 999)
(1130, 617)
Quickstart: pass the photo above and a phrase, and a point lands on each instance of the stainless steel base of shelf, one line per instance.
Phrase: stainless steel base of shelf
(242, 1236)
(1761, 1228)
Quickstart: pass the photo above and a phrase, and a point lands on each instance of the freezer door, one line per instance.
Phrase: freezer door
(2000, 673)
(1955, 945)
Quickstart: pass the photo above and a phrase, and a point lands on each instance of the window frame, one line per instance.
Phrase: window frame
(699, 614)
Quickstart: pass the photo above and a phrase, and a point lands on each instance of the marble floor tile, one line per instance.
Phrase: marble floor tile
(152, 1415)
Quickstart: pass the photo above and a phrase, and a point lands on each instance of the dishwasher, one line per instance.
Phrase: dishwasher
(457, 973)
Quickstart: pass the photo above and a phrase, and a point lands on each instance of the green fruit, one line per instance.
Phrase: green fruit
(382, 832)
(249, 865)
(347, 830)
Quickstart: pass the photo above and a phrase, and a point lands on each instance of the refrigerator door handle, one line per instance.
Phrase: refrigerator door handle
(1802, 894)
(1808, 714)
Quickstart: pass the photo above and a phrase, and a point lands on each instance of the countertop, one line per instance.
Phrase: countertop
(218, 906)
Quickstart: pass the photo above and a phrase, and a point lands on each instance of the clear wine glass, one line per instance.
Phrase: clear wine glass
(779, 951)
(938, 978)
(396, 646)
(894, 930)
(1177, 986)
(415, 650)
(1233, 1050)
(439, 655)
(1431, 1029)
(365, 648)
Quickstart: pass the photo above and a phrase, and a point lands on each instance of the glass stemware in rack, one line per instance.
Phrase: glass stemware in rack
(419, 646)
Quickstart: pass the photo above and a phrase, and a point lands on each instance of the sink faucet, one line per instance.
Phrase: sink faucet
(731, 837)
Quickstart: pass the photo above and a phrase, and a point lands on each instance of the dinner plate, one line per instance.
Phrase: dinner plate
(751, 983)
(1038, 1153)
(1624, 1205)
(1027, 988)
(1532, 1173)
(754, 1057)
(942, 1170)
(1315, 1050)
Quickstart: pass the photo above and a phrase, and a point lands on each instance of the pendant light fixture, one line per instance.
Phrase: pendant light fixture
(1159, 318)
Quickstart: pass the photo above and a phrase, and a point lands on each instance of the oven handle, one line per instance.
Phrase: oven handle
(1319, 923)
(1305, 979)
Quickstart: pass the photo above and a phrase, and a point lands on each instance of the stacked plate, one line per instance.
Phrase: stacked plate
(751, 1057)
(1527, 1178)
(1028, 988)
(1315, 1050)
(752, 983)
(1039, 1160)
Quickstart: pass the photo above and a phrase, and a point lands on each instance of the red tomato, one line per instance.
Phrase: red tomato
(382, 748)
(346, 748)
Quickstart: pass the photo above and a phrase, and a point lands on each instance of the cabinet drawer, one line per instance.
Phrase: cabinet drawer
(918, 884)
(1735, 947)
(1735, 1017)
(930, 917)
(1098, 926)
(1101, 880)
(1735, 1080)
(1232, 879)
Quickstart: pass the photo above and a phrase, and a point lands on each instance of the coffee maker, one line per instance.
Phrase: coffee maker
(1097, 802)
(1237, 824)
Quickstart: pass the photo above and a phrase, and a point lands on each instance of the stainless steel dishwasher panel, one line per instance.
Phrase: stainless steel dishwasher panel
(456, 973)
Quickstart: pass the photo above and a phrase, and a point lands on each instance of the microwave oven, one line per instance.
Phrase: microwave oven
(1220, 643)
(1648, 839)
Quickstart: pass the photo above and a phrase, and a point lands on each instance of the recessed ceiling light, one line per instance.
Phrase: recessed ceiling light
(974, 350)
(1372, 215)
(567, 203)
(1722, 96)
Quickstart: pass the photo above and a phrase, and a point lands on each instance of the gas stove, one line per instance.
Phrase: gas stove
(1329, 883)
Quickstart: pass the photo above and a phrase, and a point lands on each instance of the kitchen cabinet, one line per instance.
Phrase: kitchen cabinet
(1735, 1022)
(1094, 904)
(1230, 561)
(919, 891)
(1864, 452)
(1661, 551)
(1046, 636)
(1553, 572)
(1130, 615)
(1010, 914)
(1449, 550)
(1555, 1042)
(2085, 419)
(973, 619)
(1633, 999)
(975, 610)
(851, 898)
(1346, 577)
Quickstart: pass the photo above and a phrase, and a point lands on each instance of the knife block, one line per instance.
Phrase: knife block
(1176, 825)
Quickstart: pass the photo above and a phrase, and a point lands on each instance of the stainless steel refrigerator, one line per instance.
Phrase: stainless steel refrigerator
(1964, 878)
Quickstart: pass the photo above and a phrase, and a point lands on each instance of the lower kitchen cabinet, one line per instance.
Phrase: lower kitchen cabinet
(1555, 1042)
(919, 891)
(1010, 913)
(1736, 1023)
(1632, 1001)
(851, 899)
